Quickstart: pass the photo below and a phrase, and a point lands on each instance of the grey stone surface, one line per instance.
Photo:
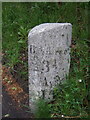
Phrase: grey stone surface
(48, 58)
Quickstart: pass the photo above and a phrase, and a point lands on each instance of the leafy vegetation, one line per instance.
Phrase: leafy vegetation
(42, 110)
(71, 98)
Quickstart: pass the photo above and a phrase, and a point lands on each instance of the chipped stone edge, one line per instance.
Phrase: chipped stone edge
(44, 27)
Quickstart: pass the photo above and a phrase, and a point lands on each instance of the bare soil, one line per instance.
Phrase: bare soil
(14, 98)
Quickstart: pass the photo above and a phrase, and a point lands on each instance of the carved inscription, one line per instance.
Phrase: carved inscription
(49, 58)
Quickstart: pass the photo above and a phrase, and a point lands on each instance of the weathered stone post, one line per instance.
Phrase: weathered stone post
(48, 58)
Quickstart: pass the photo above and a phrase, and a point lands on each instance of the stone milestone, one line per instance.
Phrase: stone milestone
(48, 58)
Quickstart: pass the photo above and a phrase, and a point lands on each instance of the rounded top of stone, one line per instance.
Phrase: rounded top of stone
(46, 26)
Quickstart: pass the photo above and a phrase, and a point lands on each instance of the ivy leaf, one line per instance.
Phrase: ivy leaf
(21, 41)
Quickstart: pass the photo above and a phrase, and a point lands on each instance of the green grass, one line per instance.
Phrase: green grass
(43, 110)
(19, 18)
(69, 98)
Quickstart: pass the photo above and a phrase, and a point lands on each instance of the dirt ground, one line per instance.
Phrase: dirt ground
(14, 99)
